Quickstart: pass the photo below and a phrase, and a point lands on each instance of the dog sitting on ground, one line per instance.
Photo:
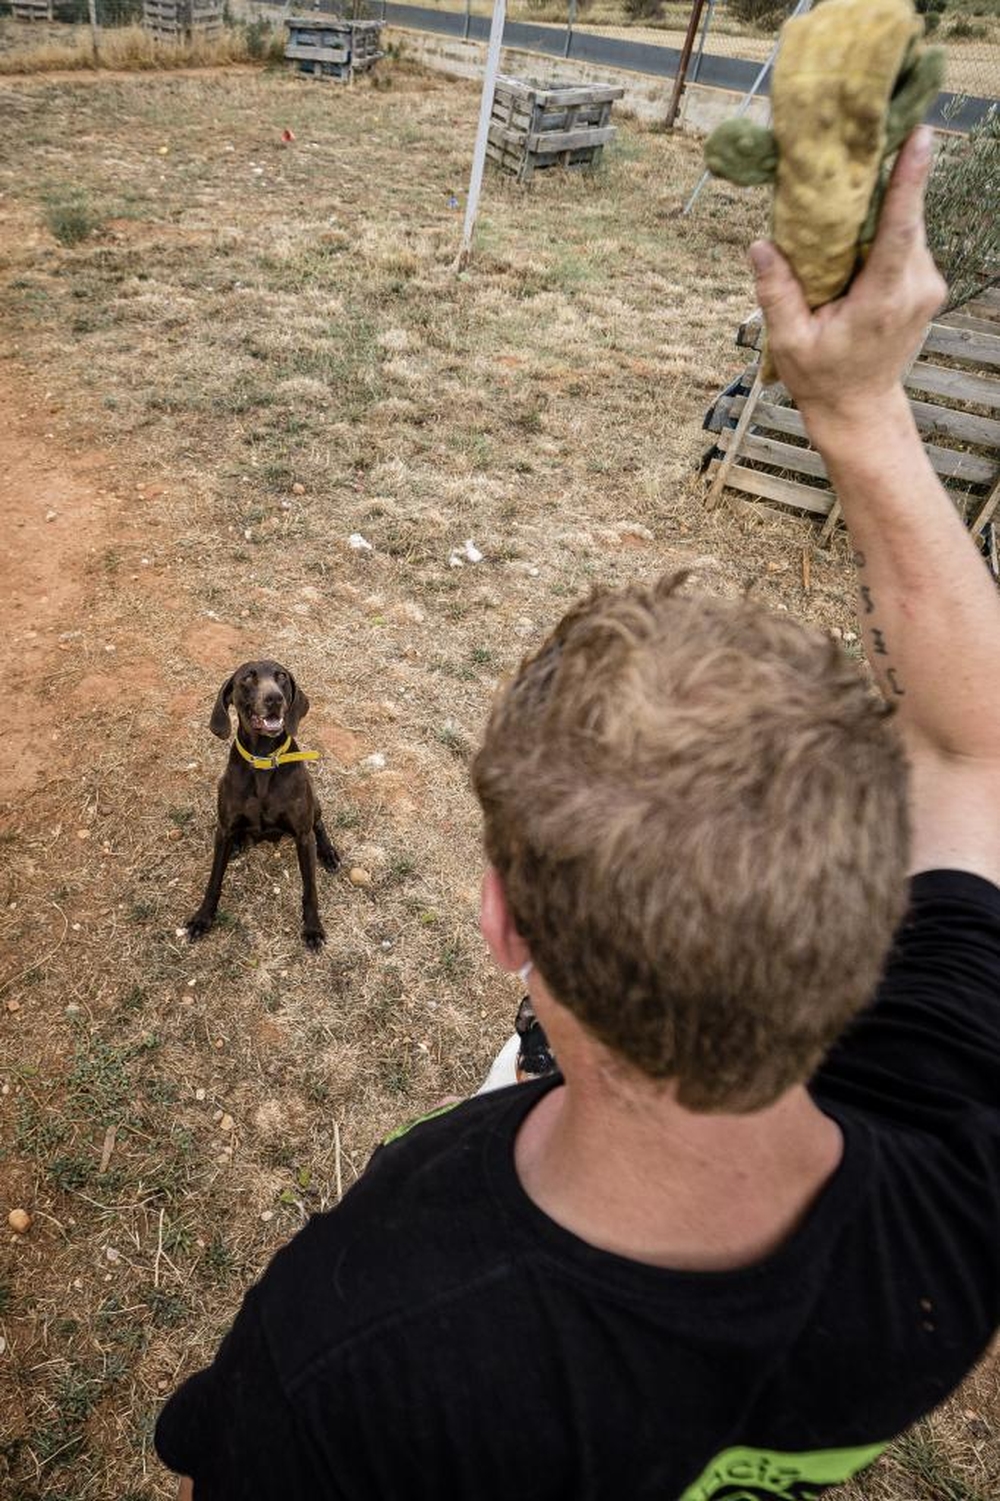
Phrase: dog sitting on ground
(265, 791)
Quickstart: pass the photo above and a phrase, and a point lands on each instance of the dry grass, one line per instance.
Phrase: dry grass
(131, 49)
(269, 341)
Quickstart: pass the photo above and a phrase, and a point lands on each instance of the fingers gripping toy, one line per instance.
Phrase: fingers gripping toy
(851, 80)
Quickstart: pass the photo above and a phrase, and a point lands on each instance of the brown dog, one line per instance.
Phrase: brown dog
(265, 790)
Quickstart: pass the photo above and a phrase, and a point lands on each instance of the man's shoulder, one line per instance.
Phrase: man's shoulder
(425, 1222)
(926, 1054)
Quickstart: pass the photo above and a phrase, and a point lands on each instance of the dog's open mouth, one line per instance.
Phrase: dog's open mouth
(272, 726)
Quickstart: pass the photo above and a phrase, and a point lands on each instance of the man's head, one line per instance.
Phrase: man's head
(697, 811)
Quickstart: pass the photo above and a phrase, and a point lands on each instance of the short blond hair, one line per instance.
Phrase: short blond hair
(698, 811)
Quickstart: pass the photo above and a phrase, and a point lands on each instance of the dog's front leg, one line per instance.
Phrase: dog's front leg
(325, 852)
(203, 918)
(312, 928)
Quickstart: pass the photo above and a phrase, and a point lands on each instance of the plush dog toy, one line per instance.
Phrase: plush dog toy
(851, 80)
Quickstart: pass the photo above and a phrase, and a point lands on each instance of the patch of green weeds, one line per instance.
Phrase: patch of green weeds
(71, 219)
(926, 1462)
(99, 1084)
(395, 1073)
(71, 1173)
(454, 741)
(453, 959)
(218, 1258)
(161, 1091)
(36, 1131)
(167, 1309)
(135, 997)
(401, 867)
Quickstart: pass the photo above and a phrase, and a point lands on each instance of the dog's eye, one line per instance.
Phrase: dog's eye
(281, 677)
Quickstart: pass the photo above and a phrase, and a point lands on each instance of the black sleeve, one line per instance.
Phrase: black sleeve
(930, 1043)
(232, 1429)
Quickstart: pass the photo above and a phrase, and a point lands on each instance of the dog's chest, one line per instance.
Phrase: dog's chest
(264, 806)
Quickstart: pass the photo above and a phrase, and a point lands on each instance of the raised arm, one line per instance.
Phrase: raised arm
(929, 611)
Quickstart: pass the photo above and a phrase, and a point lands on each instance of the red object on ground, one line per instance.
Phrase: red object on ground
(287, 135)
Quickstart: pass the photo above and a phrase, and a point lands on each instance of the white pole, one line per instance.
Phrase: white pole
(485, 110)
(92, 8)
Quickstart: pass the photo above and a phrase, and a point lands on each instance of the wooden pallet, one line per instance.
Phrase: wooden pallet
(762, 451)
(33, 10)
(181, 20)
(327, 47)
(533, 127)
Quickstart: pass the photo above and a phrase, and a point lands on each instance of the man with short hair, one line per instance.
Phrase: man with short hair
(731, 1249)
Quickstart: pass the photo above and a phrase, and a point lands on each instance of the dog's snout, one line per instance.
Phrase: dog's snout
(274, 700)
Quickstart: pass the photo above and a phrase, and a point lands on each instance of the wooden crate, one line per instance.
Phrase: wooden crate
(182, 20)
(534, 126)
(331, 48)
(33, 10)
(954, 387)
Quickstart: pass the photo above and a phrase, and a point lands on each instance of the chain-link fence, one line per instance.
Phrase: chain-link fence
(641, 35)
(969, 29)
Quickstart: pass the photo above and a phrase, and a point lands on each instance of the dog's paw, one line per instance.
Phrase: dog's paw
(197, 926)
(314, 938)
(329, 859)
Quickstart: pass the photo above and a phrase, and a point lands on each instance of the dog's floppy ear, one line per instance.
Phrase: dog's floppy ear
(297, 709)
(219, 722)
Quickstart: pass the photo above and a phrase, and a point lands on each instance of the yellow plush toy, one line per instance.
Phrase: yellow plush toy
(851, 80)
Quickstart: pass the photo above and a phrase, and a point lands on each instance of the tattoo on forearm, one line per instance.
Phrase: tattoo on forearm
(880, 646)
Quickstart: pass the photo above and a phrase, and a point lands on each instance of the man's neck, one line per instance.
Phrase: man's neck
(635, 1173)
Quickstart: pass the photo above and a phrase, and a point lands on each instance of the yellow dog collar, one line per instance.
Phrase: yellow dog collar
(281, 757)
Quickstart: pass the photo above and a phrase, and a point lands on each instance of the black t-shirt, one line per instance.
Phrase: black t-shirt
(437, 1336)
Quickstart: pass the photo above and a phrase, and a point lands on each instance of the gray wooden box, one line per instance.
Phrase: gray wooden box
(534, 126)
(331, 48)
(182, 20)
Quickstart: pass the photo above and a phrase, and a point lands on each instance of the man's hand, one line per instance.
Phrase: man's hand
(844, 360)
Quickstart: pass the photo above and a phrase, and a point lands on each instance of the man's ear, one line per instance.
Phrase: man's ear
(219, 722)
(297, 709)
(497, 925)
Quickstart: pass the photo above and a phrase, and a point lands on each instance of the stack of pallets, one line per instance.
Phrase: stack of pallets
(534, 126)
(327, 47)
(761, 448)
(182, 20)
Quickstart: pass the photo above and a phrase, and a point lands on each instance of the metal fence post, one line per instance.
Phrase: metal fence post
(748, 98)
(705, 25)
(682, 66)
(569, 26)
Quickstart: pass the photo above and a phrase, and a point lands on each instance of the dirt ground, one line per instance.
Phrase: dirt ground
(255, 350)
